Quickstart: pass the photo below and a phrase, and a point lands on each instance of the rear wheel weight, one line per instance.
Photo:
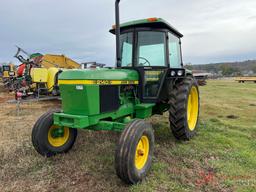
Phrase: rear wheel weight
(184, 103)
(134, 152)
(48, 139)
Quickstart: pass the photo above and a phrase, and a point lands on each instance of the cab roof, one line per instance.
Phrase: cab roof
(150, 22)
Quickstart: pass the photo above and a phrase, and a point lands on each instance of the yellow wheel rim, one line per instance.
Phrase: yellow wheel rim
(57, 136)
(142, 151)
(192, 108)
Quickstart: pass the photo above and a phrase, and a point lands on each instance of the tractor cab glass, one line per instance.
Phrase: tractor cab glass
(152, 52)
(146, 50)
(174, 51)
(151, 49)
(126, 49)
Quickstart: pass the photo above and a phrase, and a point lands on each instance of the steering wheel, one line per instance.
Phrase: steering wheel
(146, 61)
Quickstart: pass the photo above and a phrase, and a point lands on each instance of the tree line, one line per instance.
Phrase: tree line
(245, 68)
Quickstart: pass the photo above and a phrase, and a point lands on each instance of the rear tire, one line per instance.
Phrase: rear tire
(45, 142)
(134, 152)
(184, 108)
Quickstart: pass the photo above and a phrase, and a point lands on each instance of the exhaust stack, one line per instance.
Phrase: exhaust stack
(118, 51)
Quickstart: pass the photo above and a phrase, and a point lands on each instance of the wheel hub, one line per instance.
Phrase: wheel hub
(58, 132)
(142, 151)
(58, 136)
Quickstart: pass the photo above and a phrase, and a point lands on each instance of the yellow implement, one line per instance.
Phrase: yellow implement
(49, 76)
(39, 75)
(47, 60)
(58, 61)
(44, 71)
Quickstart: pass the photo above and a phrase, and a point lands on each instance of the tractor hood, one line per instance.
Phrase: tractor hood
(99, 76)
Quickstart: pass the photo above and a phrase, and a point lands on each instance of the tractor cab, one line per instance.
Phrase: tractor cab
(153, 48)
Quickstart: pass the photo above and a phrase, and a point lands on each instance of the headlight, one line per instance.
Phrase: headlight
(180, 73)
(173, 73)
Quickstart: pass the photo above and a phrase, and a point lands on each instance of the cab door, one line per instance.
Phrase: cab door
(151, 62)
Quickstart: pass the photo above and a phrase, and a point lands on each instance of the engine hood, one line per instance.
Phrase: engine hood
(100, 74)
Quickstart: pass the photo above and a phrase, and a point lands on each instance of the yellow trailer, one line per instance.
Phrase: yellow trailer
(245, 79)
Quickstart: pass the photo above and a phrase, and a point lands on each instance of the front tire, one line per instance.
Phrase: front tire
(184, 108)
(134, 152)
(48, 139)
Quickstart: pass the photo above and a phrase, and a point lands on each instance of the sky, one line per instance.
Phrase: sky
(214, 31)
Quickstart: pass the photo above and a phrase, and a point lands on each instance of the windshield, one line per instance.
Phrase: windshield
(151, 49)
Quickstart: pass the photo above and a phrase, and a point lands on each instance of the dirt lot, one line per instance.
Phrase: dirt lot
(221, 158)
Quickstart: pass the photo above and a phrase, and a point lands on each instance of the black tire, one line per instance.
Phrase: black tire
(127, 148)
(178, 100)
(40, 136)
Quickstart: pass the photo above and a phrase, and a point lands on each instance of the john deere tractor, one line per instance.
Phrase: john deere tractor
(149, 79)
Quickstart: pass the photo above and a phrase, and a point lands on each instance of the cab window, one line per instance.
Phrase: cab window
(151, 49)
(126, 49)
(174, 51)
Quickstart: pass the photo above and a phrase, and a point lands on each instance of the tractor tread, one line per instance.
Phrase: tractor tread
(124, 155)
(178, 95)
(38, 136)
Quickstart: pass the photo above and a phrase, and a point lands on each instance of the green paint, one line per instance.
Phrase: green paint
(86, 121)
(144, 110)
(80, 102)
(100, 74)
(57, 132)
(81, 107)
(95, 122)
(127, 119)
(35, 55)
(72, 121)
(108, 126)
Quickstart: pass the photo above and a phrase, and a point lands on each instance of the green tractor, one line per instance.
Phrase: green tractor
(149, 79)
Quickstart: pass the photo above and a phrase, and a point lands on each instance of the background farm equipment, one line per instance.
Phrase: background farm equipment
(37, 76)
(149, 79)
(245, 79)
(201, 78)
(47, 60)
(8, 75)
(92, 65)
